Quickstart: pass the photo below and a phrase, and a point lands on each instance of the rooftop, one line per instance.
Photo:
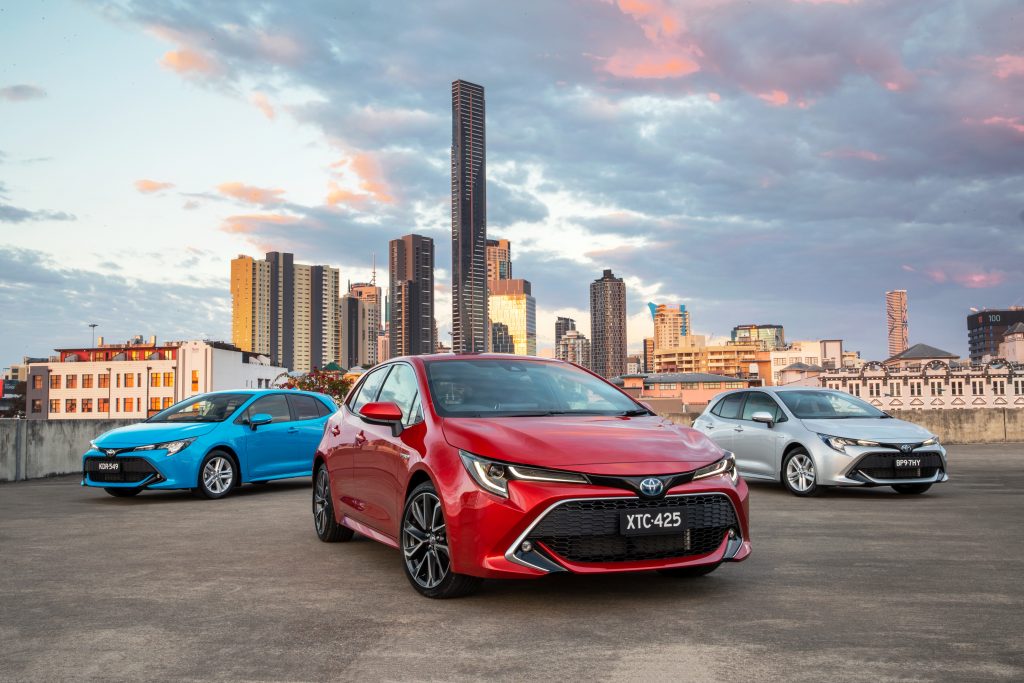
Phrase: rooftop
(922, 352)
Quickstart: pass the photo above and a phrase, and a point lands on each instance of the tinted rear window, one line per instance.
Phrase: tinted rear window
(729, 407)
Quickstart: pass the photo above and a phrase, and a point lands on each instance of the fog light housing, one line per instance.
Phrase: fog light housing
(526, 546)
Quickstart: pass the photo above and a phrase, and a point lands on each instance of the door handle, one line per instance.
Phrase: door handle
(737, 429)
(335, 430)
(292, 430)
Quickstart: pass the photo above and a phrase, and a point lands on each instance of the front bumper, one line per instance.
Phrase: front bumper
(545, 528)
(875, 466)
(146, 469)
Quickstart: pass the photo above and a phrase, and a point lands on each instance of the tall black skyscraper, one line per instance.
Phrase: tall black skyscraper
(469, 219)
(608, 325)
(563, 325)
(411, 296)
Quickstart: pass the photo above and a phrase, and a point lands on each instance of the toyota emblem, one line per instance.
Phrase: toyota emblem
(651, 487)
(112, 451)
(906, 448)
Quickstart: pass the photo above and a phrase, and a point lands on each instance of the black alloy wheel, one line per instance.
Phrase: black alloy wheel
(426, 556)
(327, 528)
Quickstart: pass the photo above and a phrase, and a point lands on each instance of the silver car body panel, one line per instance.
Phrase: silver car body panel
(760, 449)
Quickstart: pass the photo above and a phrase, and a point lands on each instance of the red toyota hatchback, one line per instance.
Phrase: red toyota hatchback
(496, 466)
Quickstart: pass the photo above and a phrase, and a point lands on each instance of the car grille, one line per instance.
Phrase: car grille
(883, 465)
(131, 470)
(588, 530)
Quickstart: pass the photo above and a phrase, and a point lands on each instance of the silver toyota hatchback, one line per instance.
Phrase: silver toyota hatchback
(809, 438)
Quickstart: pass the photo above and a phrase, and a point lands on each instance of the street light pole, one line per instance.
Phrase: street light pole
(93, 326)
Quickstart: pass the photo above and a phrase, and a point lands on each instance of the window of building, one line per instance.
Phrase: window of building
(936, 388)
(168, 379)
(915, 388)
(894, 389)
(37, 381)
(874, 389)
(855, 389)
(37, 404)
(998, 387)
(129, 380)
(86, 405)
(103, 405)
(87, 381)
(138, 380)
(666, 386)
(1018, 386)
(70, 405)
(70, 381)
(977, 387)
(779, 362)
(195, 380)
(103, 380)
(811, 360)
(55, 381)
(154, 379)
(154, 403)
(117, 405)
(54, 405)
(956, 388)
(166, 402)
(117, 380)
(712, 385)
(727, 385)
(129, 404)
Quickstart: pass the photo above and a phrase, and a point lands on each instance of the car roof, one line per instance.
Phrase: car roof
(264, 392)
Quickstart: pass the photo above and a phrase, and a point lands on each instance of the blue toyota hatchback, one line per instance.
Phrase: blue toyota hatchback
(212, 443)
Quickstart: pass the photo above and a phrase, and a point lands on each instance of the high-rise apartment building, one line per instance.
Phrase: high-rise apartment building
(512, 305)
(647, 358)
(370, 293)
(896, 317)
(574, 348)
(354, 318)
(608, 325)
(469, 219)
(986, 328)
(411, 296)
(671, 322)
(499, 260)
(285, 310)
(769, 336)
(563, 325)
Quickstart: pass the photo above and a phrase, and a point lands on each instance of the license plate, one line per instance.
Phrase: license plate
(651, 523)
(108, 466)
(909, 467)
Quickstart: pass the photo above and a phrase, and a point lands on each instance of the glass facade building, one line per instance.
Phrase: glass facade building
(513, 307)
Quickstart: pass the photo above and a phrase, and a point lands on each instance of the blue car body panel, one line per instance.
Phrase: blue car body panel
(278, 450)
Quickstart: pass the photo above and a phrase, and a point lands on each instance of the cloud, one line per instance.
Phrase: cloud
(1007, 66)
(13, 214)
(189, 62)
(147, 186)
(263, 104)
(363, 172)
(22, 93)
(776, 98)
(851, 153)
(251, 194)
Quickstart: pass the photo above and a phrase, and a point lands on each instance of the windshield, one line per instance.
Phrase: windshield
(520, 388)
(208, 408)
(827, 405)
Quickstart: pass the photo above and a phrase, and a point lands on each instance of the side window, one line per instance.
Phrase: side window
(323, 408)
(401, 389)
(304, 407)
(758, 401)
(275, 405)
(729, 407)
(368, 390)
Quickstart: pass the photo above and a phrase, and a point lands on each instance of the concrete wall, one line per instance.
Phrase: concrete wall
(979, 425)
(30, 449)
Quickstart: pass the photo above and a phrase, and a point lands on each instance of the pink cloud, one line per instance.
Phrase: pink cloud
(251, 194)
(981, 280)
(147, 186)
(1009, 65)
(908, 268)
(263, 104)
(186, 61)
(649, 64)
(851, 153)
(364, 170)
(714, 97)
(249, 224)
(776, 98)
(1005, 122)
(667, 54)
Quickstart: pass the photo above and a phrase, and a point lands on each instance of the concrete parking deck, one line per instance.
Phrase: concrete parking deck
(858, 585)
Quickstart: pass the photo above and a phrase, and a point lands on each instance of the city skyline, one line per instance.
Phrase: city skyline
(654, 146)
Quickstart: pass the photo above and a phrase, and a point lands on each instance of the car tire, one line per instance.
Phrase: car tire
(689, 572)
(123, 493)
(424, 544)
(324, 522)
(218, 475)
(798, 473)
(911, 489)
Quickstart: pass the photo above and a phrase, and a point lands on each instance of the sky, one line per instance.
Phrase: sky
(775, 161)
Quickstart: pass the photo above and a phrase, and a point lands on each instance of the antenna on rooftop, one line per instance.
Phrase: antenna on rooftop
(373, 277)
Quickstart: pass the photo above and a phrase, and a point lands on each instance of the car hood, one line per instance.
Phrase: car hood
(590, 444)
(871, 429)
(145, 433)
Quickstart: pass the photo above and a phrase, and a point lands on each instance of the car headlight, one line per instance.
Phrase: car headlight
(93, 445)
(171, 447)
(934, 441)
(727, 465)
(839, 443)
(494, 476)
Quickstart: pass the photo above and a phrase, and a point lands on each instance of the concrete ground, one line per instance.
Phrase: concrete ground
(859, 585)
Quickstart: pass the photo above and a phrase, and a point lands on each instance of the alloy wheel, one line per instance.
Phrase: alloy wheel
(218, 475)
(321, 494)
(425, 541)
(800, 472)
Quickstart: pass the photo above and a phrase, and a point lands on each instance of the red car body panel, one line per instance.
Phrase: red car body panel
(372, 470)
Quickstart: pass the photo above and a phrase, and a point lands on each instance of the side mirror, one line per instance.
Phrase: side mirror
(764, 417)
(384, 413)
(260, 419)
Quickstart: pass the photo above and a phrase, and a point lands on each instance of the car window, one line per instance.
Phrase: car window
(729, 407)
(757, 402)
(323, 408)
(401, 389)
(275, 405)
(304, 407)
(369, 388)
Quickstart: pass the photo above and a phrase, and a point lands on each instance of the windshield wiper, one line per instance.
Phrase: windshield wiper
(635, 412)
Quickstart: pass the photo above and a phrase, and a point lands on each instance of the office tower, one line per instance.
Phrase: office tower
(501, 340)
(896, 317)
(499, 260)
(285, 310)
(513, 306)
(354, 318)
(370, 293)
(574, 348)
(987, 327)
(608, 325)
(563, 325)
(469, 219)
(671, 323)
(411, 296)
(770, 337)
(647, 359)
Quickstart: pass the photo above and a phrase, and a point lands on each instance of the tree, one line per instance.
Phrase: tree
(330, 383)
